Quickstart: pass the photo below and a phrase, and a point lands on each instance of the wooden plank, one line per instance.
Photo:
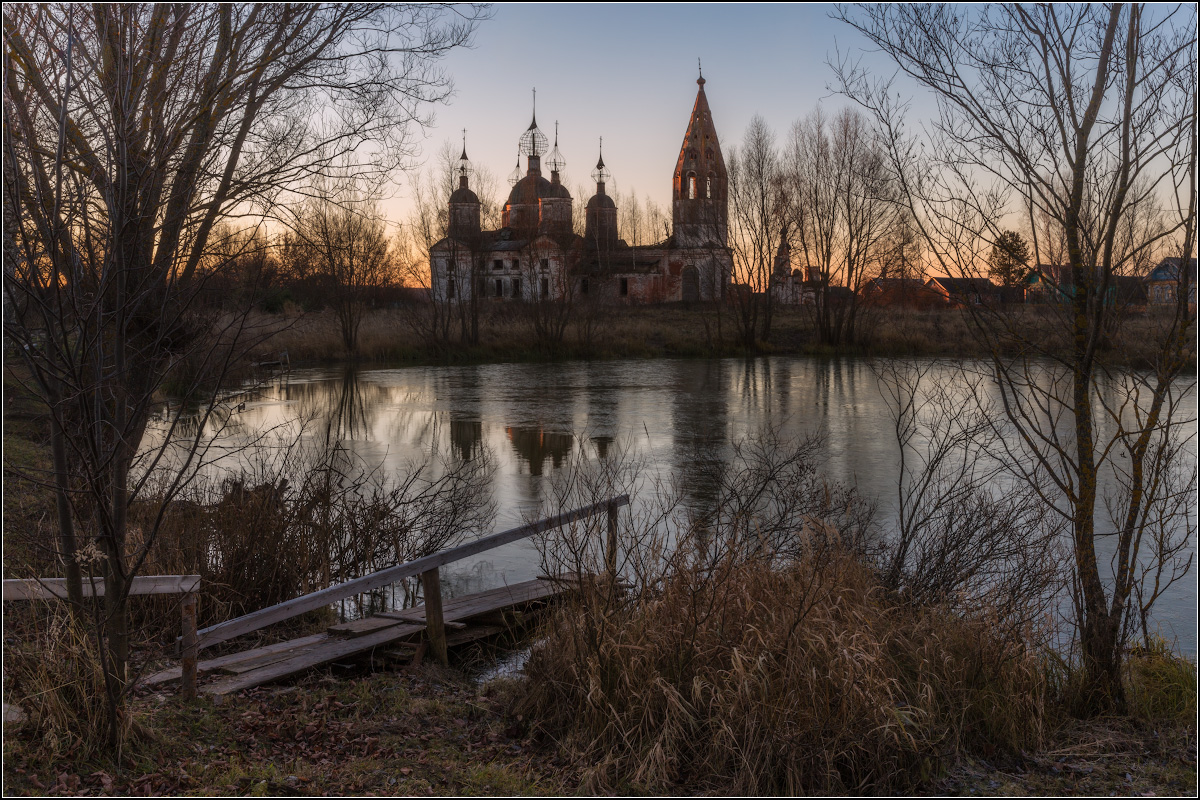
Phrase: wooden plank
(262, 660)
(204, 667)
(299, 605)
(51, 588)
(311, 657)
(480, 603)
(359, 627)
(473, 633)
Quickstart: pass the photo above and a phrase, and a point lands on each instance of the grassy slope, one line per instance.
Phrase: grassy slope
(428, 732)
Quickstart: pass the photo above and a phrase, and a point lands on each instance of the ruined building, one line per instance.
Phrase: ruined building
(537, 254)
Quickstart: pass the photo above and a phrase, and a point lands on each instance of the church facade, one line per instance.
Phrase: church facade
(536, 254)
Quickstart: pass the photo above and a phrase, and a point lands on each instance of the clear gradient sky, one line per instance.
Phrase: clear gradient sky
(628, 73)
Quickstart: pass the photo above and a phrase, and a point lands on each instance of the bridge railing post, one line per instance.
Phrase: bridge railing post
(610, 550)
(191, 645)
(435, 626)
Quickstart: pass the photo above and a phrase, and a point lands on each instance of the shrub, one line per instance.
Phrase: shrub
(762, 676)
(1162, 685)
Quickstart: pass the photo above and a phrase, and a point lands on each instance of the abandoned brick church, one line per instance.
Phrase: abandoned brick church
(537, 255)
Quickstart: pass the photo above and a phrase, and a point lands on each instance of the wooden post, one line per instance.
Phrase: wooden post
(435, 628)
(610, 552)
(191, 645)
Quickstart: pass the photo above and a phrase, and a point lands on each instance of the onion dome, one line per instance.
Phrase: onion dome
(515, 176)
(601, 174)
(533, 142)
(555, 159)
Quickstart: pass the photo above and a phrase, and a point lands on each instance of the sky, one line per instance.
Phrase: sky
(628, 73)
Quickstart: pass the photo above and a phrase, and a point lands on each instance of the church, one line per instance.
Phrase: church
(536, 254)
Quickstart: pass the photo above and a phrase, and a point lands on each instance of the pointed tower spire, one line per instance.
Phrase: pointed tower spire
(700, 208)
(601, 174)
(464, 164)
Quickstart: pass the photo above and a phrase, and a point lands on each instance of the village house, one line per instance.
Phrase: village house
(903, 292)
(960, 292)
(537, 255)
(1167, 280)
(1053, 283)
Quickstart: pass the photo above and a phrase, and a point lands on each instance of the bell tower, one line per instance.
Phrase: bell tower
(700, 200)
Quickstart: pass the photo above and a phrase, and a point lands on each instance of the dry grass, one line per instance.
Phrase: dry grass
(54, 676)
(672, 331)
(766, 678)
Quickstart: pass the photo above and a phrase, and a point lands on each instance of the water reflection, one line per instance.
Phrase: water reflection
(675, 419)
(534, 445)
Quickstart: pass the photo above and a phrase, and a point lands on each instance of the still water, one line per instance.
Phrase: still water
(534, 420)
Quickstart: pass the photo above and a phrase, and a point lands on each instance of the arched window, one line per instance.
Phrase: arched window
(708, 186)
(691, 186)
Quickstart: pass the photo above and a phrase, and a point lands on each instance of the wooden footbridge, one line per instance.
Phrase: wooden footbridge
(435, 626)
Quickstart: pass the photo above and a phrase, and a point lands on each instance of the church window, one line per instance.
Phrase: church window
(545, 264)
(691, 186)
(450, 289)
(708, 186)
(545, 287)
(624, 287)
(498, 264)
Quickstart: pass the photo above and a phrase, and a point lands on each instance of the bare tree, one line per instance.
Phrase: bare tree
(1080, 119)
(343, 238)
(758, 202)
(466, 263)
(965, 536)
(842, 212)
(549, 293)
(130, 132)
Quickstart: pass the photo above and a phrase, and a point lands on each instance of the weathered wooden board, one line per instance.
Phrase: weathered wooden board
(360, 627)
(214, 664)
(472, 633)
(309, 657)
(56, 588)
(487, 602)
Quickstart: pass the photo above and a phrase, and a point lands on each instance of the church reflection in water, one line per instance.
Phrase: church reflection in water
(466, 437)
(535, 445)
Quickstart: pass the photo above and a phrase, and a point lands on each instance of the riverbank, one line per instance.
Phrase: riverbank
(436, 732)
(397, 336)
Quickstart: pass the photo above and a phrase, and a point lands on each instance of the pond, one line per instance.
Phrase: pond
(534, 420)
